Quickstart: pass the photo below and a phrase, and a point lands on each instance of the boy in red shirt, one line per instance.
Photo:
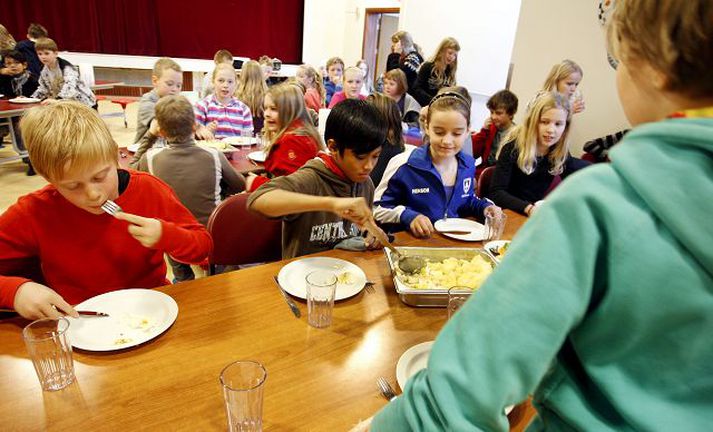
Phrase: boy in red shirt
(83, 251)
(502, 106)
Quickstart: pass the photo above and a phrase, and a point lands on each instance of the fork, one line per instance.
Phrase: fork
(385, 388)
(369, 287)
(111, 207)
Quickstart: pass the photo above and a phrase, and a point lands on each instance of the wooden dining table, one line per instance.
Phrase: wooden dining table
(8, 111)
(317, 379)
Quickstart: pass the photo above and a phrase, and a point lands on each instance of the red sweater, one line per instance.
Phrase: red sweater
(286, 156)
(84, 255)
(482, 145)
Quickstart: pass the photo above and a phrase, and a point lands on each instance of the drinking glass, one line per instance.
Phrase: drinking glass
(50, 351)
(457, 296)
(243, 383)
(494, 226)
(321, 289)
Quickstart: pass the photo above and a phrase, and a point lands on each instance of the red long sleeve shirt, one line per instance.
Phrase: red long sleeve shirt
(287, 155)
(83, 254)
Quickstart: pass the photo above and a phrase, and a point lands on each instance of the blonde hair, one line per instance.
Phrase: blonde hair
(526, 134)
(7, 42)
(46, 44)
(399, 77)
(65, 136)
(175, 117)
(675, 37)
(559, 72)
(290, 104)
(317, 82)
(353, 70)
(164, 63)
(222, 56)
(439, 63)
(252, 87)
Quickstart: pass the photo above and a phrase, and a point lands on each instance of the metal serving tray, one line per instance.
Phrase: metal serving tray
(429, 297)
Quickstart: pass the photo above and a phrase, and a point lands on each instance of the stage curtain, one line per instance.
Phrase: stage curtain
(174, 28)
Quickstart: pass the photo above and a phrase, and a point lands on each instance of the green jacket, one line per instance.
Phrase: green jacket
(602, 310)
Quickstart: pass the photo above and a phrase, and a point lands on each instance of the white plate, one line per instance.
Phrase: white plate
(415, 359)
(492, 247)
(412, 361)
(458, 224)
(135, 316)
(240, 140)
(257, 156)
(292, 276)
(133, 148)
(24, 100)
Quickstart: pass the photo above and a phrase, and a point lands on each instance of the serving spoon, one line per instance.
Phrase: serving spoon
(407, 264)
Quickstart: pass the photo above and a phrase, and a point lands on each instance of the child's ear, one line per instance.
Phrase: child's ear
(154, 80)
(332, 146)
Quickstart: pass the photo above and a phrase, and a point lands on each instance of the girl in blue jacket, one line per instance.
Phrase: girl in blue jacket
(434, 181)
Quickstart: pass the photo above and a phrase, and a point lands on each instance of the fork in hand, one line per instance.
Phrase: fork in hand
(385, 388)
(111, 207)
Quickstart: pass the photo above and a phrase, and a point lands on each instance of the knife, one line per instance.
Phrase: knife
(293, 307)
(92, 313)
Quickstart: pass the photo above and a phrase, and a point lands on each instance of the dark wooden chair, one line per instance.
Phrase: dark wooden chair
(241, 236)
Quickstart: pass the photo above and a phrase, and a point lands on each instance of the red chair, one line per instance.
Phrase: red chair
(486, 177)
(241, 236)
(123, 102)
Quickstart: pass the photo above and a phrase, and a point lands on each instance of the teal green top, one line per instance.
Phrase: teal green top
(602, 309)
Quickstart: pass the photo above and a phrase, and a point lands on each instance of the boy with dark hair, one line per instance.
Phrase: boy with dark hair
(27, 47)
(200, 176)
(59, 79)
(502, 106)
(327, 200)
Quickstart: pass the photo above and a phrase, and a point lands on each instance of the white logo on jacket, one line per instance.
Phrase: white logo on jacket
(466, 184)
(420, 190)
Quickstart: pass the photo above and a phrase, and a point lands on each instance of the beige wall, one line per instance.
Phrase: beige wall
(551, 30)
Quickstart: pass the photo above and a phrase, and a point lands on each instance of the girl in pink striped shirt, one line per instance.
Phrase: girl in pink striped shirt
(221, 115)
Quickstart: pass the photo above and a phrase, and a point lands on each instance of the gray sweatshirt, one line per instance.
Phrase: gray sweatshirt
(199, 176)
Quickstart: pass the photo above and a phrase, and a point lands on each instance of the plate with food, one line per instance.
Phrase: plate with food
(218, 145)
(134, 316)
(350, 278)
(461, 229)
(497, 248)
(257, 156)
(240, 140)
(415, 359)
(24, 100)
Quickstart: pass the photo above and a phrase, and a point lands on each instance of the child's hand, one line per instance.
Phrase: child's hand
(34, 301)
(421, 227)
(493, 210)
(488, 121)
(153, 128)
(212, 126)
(146, 230)
(363, 426)
(371, 241)
(578, 106)
(204, 133)
(353, 209)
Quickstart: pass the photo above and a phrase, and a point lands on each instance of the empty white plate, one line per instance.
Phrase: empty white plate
(24, 100)
(477, 230)
(135, 316)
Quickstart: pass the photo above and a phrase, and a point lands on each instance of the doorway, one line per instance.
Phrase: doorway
(379, 25)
